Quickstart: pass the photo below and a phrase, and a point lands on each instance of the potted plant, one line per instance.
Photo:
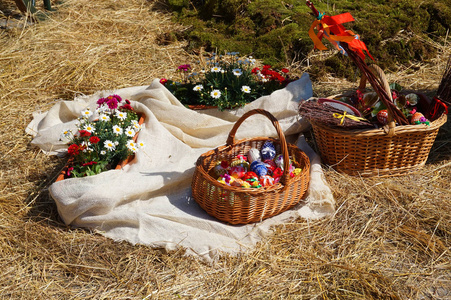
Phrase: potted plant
(226, 81)
(103, 139)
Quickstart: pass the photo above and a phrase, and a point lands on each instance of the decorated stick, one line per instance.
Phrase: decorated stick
(442, 100)
(348, 42)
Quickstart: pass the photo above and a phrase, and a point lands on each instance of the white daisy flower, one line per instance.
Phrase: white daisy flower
(129, 132)
(216, 69)
(86, 147)
(116, 143)
(198, 87)
(121, 115)
(109, 145)
(103, 152)
(131, 144)
(90, 128)
(104, 118)
(117, 129)
(86, 113)
(246, 89)
(215, 94)
(141, 145)
(133, 149)
(66, 136)
(237, 72)
(135, 125)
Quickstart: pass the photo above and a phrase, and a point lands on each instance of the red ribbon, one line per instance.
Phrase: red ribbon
(332, 29)
(436, 108)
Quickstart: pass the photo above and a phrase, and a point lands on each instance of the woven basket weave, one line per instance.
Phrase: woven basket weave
(237, 205)
(389, 151)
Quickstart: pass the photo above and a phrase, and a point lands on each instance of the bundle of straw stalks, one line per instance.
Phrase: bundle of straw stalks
(389, 238)
(331, 117)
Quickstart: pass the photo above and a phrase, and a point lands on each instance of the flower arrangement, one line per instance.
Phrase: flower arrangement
(103, 137)
(227, 81)
(374, 110)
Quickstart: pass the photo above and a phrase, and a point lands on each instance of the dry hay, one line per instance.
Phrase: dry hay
(389, 238)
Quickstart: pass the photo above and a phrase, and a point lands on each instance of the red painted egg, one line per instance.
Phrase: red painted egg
(382, 116)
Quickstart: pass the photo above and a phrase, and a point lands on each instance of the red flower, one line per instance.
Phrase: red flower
(285, 70)
(73, 149)
(89, 163)
(277, 172)
(184, 68)
(112, 103)
(94, 139)
(266, 67)
(163, 80)
(255, 70)
(84, 133)
(69, 170)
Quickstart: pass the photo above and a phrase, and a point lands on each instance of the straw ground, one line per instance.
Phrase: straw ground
(389, 238)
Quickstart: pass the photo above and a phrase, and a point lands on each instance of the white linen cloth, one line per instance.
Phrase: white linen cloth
(149, 201)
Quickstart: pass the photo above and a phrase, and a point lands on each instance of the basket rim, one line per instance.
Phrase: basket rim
(384, 130)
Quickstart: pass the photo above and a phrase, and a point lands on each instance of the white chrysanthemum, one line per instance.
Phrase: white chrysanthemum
(66, 136)
(117, 129)
(103, 152)
(86, 147)
(90, 128)
(104, 118)
(216, 69)
(121, 115)
(141, 145)
(237, 72)
(246, 89)
(215, 94)
(129, 132)
(133, 149)
(109, 145)
(135, 125)
(131, 144)
(198, 87)
(86, 113)
(116, 143)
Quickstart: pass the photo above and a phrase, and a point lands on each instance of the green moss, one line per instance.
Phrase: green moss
(277, 31)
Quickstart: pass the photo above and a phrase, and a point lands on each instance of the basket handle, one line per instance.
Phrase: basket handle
(283, 142)
(383, 79)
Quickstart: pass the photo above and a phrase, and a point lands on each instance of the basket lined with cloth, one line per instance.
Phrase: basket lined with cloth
(387, 151)
(239, 205)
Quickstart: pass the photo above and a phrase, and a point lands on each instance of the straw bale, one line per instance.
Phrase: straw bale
(389, 238)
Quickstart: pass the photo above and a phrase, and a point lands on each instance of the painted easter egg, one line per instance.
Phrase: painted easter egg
(266, 180)
(221, 168)
(237, 171)
(259, 168)
(279, 162)
(240, 183)
(226, 179)
(270, 165)
(250, 175)
(240, 162)
(382, 116)
(253, 155)
(268, 151)
(416, 117)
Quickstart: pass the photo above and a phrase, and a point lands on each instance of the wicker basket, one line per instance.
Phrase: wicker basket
(389, 151)
(237, 205)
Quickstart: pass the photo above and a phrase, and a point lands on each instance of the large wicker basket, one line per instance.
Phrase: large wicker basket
(237, 205)
(389, 151)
